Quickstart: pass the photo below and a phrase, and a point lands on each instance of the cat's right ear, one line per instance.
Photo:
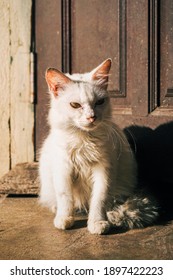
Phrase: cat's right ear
(56, 80)
(101, 74)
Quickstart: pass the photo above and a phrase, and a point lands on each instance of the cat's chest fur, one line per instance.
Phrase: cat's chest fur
(84, 152)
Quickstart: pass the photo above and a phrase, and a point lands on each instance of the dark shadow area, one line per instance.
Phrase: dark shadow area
(154, 154)
(80, 224)
(117, 230)
(16, 195)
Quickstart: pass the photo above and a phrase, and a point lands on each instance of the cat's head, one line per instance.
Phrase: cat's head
(79, 100)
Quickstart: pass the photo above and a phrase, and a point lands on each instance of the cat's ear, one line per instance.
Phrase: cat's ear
(101, 74)
(56, 80)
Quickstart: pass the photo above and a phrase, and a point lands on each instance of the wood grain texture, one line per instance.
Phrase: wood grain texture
(16, 110)
(22, 179)
(4, 87)
(21, 107)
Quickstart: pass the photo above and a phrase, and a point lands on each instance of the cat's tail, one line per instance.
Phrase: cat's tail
(135, 212)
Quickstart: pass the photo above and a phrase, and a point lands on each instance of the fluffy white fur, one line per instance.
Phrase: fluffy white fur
(86, 161)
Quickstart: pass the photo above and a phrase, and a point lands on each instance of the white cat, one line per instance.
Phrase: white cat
(86, 161)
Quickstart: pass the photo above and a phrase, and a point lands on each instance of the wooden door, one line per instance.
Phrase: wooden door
(77, 35)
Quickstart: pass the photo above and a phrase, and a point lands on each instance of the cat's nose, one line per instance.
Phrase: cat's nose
(92, 119)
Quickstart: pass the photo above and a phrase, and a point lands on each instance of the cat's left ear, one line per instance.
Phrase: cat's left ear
(101, 74)
(56, 80)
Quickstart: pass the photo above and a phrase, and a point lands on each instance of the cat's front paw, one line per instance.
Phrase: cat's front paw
(63, 222)
(98, 227)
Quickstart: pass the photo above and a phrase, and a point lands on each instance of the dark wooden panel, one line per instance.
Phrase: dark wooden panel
(99, 32)
(145, 69)
(137, 45)
(154, 41)
(166, 51)
(48, 50)
(77, 35)
(66, 36)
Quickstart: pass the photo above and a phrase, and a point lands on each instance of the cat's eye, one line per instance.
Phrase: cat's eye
(75, 105)
(100, 102)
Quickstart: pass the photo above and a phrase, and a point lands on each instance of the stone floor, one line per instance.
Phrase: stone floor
(27, 232)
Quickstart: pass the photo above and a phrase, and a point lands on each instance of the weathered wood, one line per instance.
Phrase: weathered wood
(4, 87)
(22, 179)
(22, 115)
(16, 110)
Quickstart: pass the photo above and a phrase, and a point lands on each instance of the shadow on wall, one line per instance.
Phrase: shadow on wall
(154, 153)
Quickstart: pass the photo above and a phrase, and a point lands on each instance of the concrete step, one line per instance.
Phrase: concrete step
(27, 232)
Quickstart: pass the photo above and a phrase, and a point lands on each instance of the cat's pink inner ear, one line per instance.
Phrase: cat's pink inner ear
(101, 73)
(56, 80)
